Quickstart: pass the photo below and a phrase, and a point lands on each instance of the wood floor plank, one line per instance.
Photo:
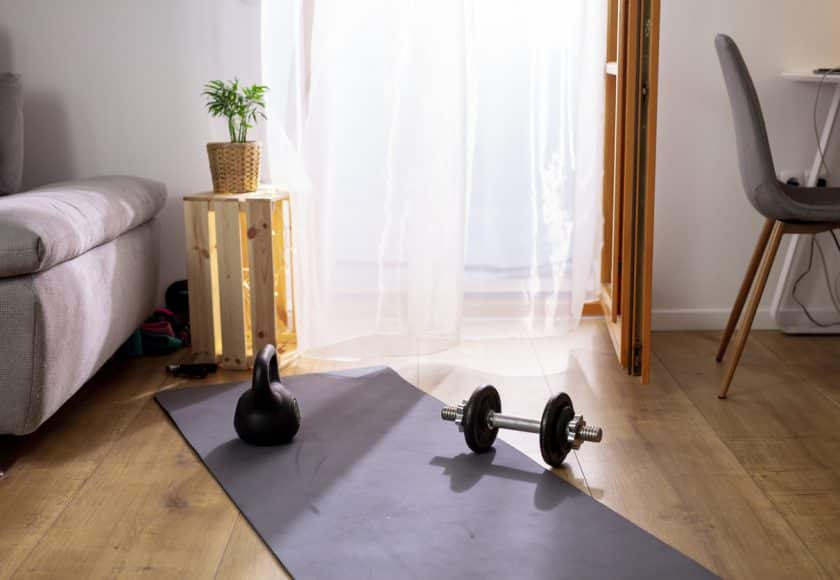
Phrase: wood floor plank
(814, 360)
(821, 533)
(663, 466)
(819, 351)
(247, 557)
(131, 519)
(825, 378)
(781, 424)
(554, 352)
(46, 469)
(30, 501)
(784, 455)
(151, 437)
(767, 399)
(802, 479)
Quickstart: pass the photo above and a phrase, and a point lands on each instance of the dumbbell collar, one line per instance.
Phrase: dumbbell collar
(459, 414)
(577, 432)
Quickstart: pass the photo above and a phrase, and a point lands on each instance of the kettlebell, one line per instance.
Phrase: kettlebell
(267, 413)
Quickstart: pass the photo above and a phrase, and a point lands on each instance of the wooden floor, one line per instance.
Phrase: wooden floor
(749, 487)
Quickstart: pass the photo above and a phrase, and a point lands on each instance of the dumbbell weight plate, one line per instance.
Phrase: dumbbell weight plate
(477, 432)
(556, 416)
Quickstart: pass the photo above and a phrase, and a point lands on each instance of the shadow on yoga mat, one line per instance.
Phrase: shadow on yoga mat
(375, 486)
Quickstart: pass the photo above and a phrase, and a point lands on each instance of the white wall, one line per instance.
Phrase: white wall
(705, 227)
(113, 86)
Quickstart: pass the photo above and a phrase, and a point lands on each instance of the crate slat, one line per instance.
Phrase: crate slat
(263, 314)
(201, 266)
(231, 289)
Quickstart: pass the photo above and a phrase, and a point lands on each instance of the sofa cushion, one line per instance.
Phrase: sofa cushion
(11, 133)
(55, 223)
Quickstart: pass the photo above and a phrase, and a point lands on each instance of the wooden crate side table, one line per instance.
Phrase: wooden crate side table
(239, 271)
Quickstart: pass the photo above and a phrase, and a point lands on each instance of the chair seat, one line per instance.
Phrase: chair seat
(793, 204)
(44, 227)
(825, 200)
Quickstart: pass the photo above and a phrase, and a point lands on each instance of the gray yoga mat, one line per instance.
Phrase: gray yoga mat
(375, 485)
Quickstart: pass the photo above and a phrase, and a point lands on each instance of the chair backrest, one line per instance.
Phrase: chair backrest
(754, 156)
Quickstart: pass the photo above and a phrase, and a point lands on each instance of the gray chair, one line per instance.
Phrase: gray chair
(787, 209)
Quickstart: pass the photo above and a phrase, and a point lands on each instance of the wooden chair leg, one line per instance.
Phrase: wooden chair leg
(752, 305)
(749, 277)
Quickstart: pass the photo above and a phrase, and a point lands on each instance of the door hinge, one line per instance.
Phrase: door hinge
(637, 358)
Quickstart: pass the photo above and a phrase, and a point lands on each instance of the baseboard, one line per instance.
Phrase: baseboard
(792, 321)
(705, 319)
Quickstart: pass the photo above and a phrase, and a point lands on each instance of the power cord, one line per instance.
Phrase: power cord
(831, 291)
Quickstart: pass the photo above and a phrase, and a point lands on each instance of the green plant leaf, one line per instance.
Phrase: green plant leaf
(241, 105)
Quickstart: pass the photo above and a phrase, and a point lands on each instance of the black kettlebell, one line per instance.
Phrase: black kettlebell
(267, 413)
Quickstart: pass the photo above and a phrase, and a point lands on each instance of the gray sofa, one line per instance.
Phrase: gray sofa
(78, 274)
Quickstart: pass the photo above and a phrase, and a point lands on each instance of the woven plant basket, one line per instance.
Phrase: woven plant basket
(235, 167)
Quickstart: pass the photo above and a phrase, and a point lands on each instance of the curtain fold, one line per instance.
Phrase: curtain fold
(455, 154)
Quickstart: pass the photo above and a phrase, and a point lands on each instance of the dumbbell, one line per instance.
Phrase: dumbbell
(480, 418)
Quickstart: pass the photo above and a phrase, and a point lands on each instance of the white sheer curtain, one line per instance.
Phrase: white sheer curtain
(532, 254)
(455, 152)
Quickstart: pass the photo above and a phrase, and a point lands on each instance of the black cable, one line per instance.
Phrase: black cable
(823, 164)
(837, 244)
(802, 277)
(836, 241)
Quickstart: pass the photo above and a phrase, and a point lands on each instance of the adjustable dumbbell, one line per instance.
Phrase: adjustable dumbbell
(480, 418)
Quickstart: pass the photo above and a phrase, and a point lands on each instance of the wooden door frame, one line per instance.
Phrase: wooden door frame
(645, 237)
(631, 76)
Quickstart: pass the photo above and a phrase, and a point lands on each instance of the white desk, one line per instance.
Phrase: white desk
(786, 278)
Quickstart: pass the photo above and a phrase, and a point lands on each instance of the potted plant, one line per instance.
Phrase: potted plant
(235, 166)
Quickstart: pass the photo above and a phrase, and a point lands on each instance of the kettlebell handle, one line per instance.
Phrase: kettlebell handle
(265, 369)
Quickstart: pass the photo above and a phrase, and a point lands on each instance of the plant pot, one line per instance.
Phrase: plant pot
(235, 167)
